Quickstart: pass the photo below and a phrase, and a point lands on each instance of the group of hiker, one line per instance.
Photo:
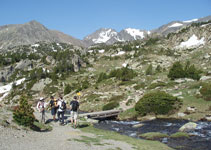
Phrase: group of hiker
(59, 106)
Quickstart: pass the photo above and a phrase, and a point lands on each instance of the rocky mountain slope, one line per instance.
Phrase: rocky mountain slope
(30, 33)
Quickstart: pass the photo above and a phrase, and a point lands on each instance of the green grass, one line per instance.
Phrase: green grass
(179, 135)
(128, 114)
(137, 143)
(89, 140)
(153, 135)
(42, 126)
(190, 100)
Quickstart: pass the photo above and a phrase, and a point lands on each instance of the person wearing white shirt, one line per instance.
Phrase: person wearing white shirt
(61, 109)
(41, 105)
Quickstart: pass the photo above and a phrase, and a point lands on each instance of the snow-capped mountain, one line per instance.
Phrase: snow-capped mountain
(128, 34)
(110, 36)
(100, 36)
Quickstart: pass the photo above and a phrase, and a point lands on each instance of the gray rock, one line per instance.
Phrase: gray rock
(24, 64)
(203, 78)
(39, 86)
(181, 115)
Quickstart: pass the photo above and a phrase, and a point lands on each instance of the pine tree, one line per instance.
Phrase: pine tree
(23, 115)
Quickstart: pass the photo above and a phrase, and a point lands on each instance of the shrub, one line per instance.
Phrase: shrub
(158, 84)
(139, 86)
(85, 84)
(190, 71)
(157, 102)
(206, 91)
(102, 76)
(23, 115)
(111, 105)
(149, 70)
(176, 71)
(124, 74)
(67, 89)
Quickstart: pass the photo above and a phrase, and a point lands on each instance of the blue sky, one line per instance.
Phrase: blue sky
(79, 18)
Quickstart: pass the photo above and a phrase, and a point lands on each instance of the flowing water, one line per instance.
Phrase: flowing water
(201, 139)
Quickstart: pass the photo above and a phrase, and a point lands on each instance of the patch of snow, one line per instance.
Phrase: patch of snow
(36, 45)
(188, 21)
(175, 25)
(148, 32)
(135, 32)
(6, 88)
(192, 42)
(20, 81)
(105, 36)
(137, 46)
(101, 51)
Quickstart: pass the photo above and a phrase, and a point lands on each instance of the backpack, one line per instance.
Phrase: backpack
(74, 105)
(63, 105)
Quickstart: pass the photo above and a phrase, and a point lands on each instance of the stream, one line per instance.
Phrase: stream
(201, 139)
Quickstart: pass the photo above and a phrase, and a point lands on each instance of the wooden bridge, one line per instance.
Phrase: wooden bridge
(101, 114)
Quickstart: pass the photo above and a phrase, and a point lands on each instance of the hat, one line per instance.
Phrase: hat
(41, 98)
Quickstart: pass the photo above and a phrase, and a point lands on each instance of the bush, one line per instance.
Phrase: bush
(206, 91)
(23, 115)
(111, 105)
(149, 70)
(102, 76)
(67, 89)
(190, 71)
(157, 102)
(176, 71)
(124, 74)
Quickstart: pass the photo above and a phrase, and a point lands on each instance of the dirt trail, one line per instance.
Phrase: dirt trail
(60, 138)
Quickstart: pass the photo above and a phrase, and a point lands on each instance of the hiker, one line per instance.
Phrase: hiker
(74, 106)
(41, 108)
(54, 107)
(61, 109)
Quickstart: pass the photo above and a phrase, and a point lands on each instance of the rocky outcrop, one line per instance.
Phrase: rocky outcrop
(5, 73)
(39, 86)
(77, 63)
(24, 65)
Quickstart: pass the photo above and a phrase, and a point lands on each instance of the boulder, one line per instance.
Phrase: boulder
(203, 78)
(39, 86)
(181, 115)
(50, 60)
(191, 109)
(191, 126)
(24, 64)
